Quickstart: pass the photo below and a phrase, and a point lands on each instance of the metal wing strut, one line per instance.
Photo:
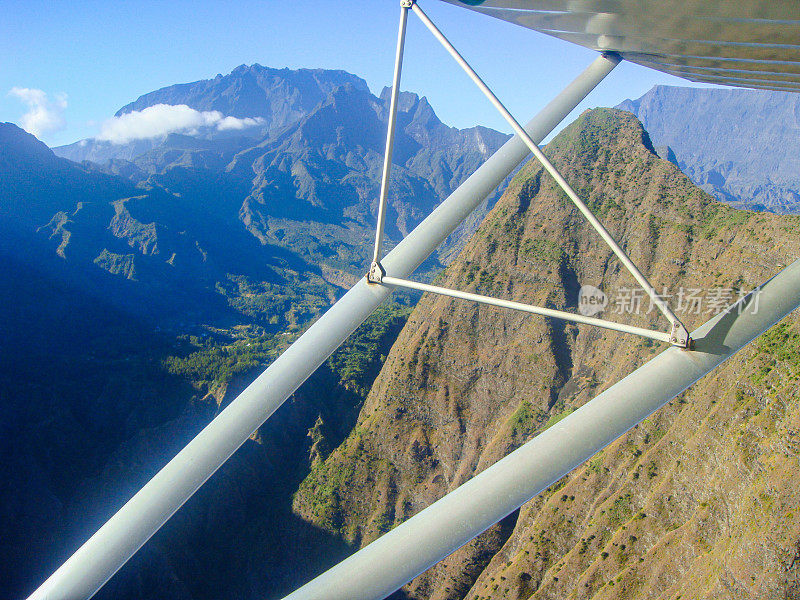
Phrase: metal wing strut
(677, 335)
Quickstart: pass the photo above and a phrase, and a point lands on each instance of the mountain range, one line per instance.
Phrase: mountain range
(283, 207)
(144, 284)
(277, 97)
(151, 285)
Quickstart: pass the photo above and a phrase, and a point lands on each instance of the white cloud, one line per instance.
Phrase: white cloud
(161, 119)
(44, 115)
(234, 123)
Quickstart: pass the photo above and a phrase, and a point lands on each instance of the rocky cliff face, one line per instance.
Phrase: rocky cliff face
(741, 146)
(697, 502)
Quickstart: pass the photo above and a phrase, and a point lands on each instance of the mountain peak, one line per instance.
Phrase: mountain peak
(244, 68)
(602, 128)
(462, 385)
(409, 102)
(277, 95)
(16, 142)
(278, 98)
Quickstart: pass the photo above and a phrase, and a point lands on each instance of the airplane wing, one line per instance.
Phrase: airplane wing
(741, 43)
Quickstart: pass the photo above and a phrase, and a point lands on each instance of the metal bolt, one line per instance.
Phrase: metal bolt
(375, 273)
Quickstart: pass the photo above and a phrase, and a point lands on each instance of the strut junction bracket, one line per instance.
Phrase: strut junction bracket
(375, 273)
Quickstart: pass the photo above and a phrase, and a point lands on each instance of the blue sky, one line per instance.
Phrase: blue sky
(92, 57)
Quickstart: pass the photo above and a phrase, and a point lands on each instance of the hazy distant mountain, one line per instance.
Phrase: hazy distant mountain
(742, 146)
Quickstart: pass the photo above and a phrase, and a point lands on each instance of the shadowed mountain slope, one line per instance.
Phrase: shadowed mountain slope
(36, 183)
(697, 502)
(142, 248)
(138, 297)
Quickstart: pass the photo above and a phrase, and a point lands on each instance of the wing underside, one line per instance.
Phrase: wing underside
(742, 43)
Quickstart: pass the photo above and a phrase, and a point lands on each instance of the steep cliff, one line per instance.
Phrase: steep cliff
(697, 502)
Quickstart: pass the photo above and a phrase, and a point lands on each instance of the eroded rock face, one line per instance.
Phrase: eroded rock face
(695, 502)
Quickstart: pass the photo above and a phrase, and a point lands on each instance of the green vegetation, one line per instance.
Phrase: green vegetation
(620, 511)
(587, 135)
(524, 420)
(212, 360)
(603, 205)
(595, 465)
(209, 363)
(358, 360)
(470, 270)
(281, 306)
(542, 249)
(779, 345)
(717, 217)
(117, 264)
(486, 279)
(353, 367)
(384, 522)
(323, 484)
(556, 418)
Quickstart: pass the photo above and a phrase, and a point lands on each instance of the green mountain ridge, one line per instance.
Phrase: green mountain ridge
(697, 502)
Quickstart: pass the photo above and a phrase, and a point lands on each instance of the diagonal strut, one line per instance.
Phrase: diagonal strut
(678, 336)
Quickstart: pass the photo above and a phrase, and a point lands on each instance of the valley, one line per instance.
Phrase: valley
(145, 284)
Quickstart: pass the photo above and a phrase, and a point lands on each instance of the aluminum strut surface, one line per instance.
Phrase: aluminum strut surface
(412, 547)
(389, 150)
(678, 334)
(117, 540)
(536, 310)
